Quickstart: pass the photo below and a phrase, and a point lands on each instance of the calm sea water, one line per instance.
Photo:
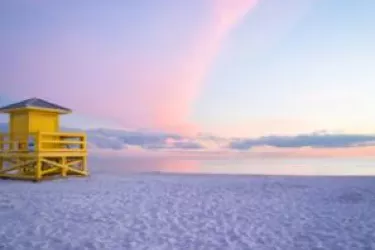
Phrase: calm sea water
(255, 166)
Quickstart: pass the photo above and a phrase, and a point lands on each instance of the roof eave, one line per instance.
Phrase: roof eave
(11, 110)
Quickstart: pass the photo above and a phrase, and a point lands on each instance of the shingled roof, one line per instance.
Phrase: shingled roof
(35, 103)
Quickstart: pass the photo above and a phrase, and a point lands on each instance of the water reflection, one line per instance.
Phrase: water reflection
(257, 166)
(140, 165)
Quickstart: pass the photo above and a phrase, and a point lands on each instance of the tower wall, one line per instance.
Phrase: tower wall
(43, 121)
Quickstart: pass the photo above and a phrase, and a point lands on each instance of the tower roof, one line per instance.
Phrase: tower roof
(34, 103)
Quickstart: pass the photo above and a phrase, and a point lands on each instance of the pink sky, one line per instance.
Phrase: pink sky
(135, 90)
(140, 86)
(147, 66)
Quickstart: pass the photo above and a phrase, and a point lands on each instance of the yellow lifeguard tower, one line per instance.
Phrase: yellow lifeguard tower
(34, 147)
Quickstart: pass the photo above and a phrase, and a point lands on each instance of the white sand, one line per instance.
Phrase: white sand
(156, 211)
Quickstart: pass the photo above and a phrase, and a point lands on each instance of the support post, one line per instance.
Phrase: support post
(38, 169)
(84, 143)
(84, 164)
(64, 169)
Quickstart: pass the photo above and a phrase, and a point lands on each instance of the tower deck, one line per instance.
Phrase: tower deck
(40, 155)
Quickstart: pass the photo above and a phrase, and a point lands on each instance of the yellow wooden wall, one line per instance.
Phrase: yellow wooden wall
(43, 121)
(30, 121)
(19, 128)
(19, 123)
(24, 122)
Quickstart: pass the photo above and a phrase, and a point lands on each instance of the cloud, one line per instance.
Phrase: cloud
(313, 140)
(321, 142)
(145, 143)
(147, 140)
(99, 141)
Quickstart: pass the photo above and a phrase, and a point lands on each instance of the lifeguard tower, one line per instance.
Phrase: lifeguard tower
(34, 147)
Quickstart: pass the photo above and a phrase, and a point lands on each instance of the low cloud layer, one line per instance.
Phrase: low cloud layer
(118, 139)
(314, 140)
(151, 141)
(158, 141)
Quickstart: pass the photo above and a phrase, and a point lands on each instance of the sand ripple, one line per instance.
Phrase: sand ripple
(189, 212)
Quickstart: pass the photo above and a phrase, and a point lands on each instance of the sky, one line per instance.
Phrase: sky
(229, 68)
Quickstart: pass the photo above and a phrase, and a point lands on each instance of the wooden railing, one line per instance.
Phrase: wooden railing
(43, 142)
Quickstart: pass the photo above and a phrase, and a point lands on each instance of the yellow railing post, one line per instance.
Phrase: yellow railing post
(84, 158)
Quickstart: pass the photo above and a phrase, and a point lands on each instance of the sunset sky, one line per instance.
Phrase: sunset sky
(233, 68)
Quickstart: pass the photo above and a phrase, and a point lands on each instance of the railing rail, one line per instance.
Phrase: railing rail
(43, 142)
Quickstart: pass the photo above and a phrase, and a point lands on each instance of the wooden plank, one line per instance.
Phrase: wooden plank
(19, 153)
(14, 141)
(53, 163)
(17, 166)
(19, 134)
(62, 142)
(14, 161)
(44, 153)
(63, 150)
(66, 134)
(77, 171)
(74, 162)
(51, 170)
(10, 156)
(16, 150)
(62, 153)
